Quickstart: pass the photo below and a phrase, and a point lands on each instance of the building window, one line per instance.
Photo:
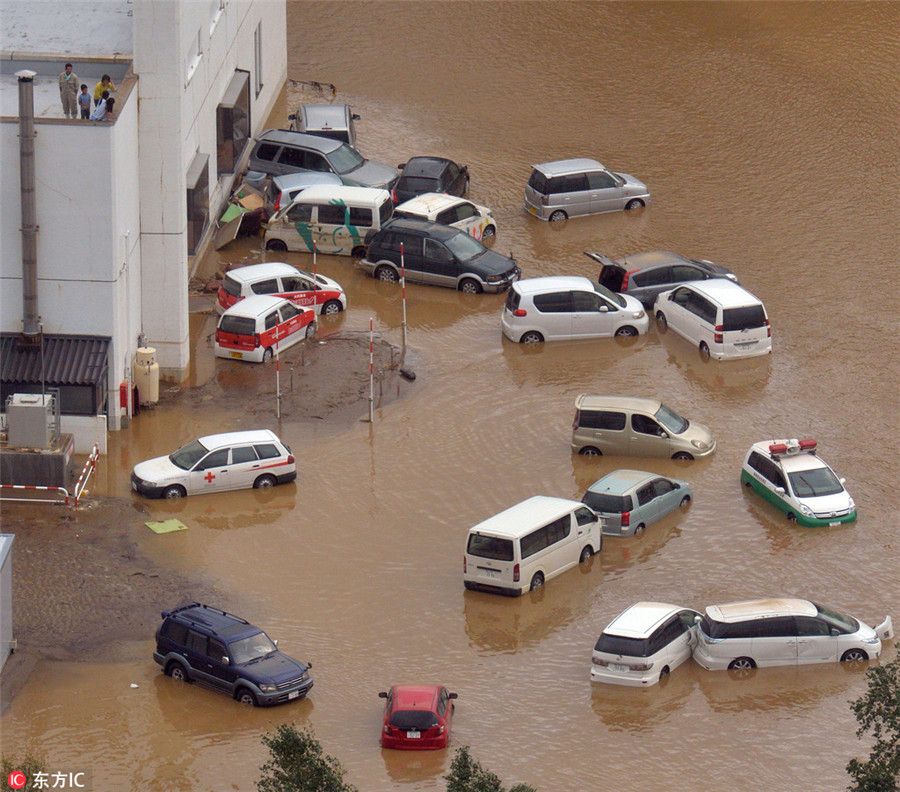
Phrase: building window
(195, 55)
(233, 123)
(197, 182)
(257, 59)
(216, 8)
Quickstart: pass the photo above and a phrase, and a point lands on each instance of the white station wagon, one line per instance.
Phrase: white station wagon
(477, 221)
(234, 460)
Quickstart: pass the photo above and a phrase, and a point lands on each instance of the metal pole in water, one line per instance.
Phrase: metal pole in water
(277, 378)
(403, 290)
(371, 373)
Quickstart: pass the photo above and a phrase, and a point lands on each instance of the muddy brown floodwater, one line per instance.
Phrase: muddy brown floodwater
(767, 133)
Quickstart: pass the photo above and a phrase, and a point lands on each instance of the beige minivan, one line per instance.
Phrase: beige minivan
(629, 426)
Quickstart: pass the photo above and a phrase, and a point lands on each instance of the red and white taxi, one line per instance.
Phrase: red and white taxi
(417, 717)
(282, 280)
(477, 221)
(257, 327)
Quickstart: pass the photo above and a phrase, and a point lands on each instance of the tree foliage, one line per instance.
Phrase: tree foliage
(878, 712)
(296, 764)
(467, 775)
(29, 765)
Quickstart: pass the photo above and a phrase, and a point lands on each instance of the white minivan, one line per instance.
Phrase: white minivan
(334, 219)
(524, 546)
(718, 316)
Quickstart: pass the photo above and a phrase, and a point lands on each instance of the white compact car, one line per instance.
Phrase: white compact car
(644, 644)
(562, 308)
(741, 636)
(477, 221)
(235, 460)
(789, 475)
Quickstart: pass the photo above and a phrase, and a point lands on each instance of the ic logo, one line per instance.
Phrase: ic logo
(17, 779)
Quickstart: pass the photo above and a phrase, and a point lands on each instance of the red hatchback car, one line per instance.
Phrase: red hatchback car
(417, 717)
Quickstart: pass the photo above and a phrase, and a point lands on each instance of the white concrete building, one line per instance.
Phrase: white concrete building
(122, 207)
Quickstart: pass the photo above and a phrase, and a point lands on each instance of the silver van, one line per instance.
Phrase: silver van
(630, 426)
(569, 188)
(722, 319)
(333, 121)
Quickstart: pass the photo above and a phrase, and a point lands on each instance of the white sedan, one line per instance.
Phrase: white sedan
(477, 221)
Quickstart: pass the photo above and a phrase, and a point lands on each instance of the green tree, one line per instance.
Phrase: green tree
(296, 764)
(878, 711)
(28, 764)
(467, 775)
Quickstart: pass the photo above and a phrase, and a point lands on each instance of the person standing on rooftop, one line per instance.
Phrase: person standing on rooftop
(68, 92)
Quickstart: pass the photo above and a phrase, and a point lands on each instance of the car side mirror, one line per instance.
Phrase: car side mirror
(779, 490)
(401, 166)
(354, 117)
(454, 695)
(292, 117)
(604, 309)
(835, 632)
(383, 694)
(697, 619)
(225, 660)
(842, 480)
(671, 297)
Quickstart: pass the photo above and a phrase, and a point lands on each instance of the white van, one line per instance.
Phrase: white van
(718, 316)
(334, 219)
(523, 547)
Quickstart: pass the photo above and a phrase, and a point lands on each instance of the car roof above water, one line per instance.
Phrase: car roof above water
(255, 305)
(620, 482)
(524, 517)
(426, 203)
(563, 167)
(268, 269)
(761, 609)
(434, 230)
(286, 136)
(725, 292)
(230, 438)
(641, 619)
(587, 401)
(552, 283)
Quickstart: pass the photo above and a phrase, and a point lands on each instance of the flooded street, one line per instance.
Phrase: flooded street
(767, 135)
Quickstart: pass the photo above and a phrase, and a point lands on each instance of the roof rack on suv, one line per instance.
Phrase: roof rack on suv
(191, 605)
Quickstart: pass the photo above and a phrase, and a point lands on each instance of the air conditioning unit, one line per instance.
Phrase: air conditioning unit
(29, 417)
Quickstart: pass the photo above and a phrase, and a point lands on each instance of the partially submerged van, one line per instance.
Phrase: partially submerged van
(330, 218)
(333, 121)
(722, 319)
(256, 328)
(528, 544)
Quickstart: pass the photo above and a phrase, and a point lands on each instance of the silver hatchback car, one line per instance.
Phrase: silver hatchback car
(569, 188)
(630, 500)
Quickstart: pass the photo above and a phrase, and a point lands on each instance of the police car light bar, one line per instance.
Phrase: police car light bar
(791, 447)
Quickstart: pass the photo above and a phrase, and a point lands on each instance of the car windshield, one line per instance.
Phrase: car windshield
(815, 483)
(618, 299)
(671, 419)
(846, 624)
(188, 456)
(251, 648)
(345, 159)
(418, 184)
(413, 720)
(464, 247)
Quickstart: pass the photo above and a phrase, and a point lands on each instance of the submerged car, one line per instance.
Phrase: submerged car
(430, 175)
(630, 500)
(644, 644)
(477, 221)
(234, 460)
(417, 717)
(791, 476)
(303, 289)
(335, 121)
(741, 636)
(199, 643)
(644, 275)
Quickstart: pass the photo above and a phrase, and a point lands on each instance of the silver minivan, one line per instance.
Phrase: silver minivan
(569, 188)
(333, 121)
(633, 426)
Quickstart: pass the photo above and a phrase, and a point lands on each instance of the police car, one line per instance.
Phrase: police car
(790, 476)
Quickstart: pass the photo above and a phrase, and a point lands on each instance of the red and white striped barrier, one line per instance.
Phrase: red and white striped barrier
(63, 490)
(86, 472)
(62, 493)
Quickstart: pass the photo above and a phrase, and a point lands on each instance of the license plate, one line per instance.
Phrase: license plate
(134, 486)
(413, 735)
(293, 695)
(238, 355)
(617, 667)
(832, 524)
(745, 344)
(492, 573)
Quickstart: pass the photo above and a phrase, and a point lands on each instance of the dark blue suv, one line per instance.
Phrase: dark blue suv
(198, 643)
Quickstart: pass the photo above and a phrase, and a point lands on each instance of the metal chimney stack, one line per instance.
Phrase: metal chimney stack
(31, 332)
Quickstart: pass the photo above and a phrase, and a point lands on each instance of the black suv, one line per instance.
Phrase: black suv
(430, 175)
(439, 255)
(198, 643)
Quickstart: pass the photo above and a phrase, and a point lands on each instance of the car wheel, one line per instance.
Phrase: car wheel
(265, 481)
(173, 492)
(531, 337)
(331, 307)
(245, 696)
(626, 332)
(662, 323)
(586, 553)
(634, 203)
(488, 235)
(590, 451)
(469, 286)
(536, 582)
(358, 254)
(559, 214)
(685, 502)
(704, 350)
(854, 656)
(267, 354)
(639, 530)
(384, 273)
(311, 330)
(792, 517)
(664, 673)
(277, 245)
(682, 455)
(177, 671)
(741, 667)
